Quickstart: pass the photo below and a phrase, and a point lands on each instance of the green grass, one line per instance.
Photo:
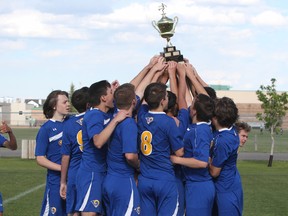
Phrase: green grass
(265, 188)
(17, 177)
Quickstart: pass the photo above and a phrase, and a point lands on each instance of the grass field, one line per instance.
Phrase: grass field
(17, 177)
(265, 188)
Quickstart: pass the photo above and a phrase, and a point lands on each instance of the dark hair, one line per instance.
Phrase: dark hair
(204, 106)
(124, 95)
(96, 90)
(172, 103)
(211, 92)
(80, 99)
(51, 102)
(242, 126)
(154, 93)
(226, 112)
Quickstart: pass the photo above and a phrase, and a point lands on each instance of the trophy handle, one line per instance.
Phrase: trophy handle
(175, 23)
(155, 26)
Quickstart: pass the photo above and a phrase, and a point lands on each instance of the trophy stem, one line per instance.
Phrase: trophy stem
(169, 44)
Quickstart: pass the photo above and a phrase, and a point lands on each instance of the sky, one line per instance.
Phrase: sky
(48, 45)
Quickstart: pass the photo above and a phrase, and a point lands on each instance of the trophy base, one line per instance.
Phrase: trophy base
(171, 54)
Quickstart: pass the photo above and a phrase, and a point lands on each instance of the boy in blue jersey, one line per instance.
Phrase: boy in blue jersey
(71, 150)
(178, 110)
(48, 150)
(199, 186)
(120, 193)
(224, 153)
(98, 125)
(159, 135)
(5, 143)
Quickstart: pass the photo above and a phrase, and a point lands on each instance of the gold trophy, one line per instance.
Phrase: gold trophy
(166, 27)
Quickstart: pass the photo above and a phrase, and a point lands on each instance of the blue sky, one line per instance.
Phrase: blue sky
(47, 45)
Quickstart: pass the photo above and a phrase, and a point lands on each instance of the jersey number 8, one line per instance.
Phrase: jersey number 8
(146, 140)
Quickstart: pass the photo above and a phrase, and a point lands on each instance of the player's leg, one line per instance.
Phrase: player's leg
(167, 194)
(199, 198)
(147, 196)
(230, 203)
(89, 192)
(181, 196)
(71, 200)
(121, 195)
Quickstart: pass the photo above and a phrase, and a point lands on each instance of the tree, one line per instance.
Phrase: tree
(72, 89)
(274, 107)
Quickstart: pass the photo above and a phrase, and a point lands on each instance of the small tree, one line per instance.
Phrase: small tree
(274, 107)
(72, 89)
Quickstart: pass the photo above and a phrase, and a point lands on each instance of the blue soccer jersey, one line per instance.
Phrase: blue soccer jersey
(183, 117)
(2, 140)
(72, 144)
(48, 144)
(92, 169)
(199, 188)
(197, 140)
(224, 156)
(94, 159)
(123, 140)
(158, 134)
(119, 188)
(229, 192)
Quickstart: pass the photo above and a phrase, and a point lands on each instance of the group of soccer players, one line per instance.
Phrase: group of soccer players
(138, 149)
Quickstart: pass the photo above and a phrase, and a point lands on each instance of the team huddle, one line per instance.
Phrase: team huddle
(139, 149)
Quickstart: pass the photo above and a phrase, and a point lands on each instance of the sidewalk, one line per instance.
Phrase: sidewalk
(262, 156)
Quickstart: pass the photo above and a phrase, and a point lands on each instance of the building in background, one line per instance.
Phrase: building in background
(29, 113)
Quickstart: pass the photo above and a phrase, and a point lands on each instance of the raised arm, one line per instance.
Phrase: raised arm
(196, 84)
(139, 77)
(201, 81)
(172, 66)
(12, 142)
(158, 67)
(182, 104)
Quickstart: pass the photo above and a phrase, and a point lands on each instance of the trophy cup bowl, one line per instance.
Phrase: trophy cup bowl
(166, 28)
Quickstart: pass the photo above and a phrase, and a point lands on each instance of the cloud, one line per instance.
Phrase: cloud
(269, 18)
(12, 45)
(280, 56)
(52, 53)
(230, 2)
(237, 52)
(32, 23)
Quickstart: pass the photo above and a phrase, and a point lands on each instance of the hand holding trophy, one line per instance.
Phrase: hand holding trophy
(166, 27)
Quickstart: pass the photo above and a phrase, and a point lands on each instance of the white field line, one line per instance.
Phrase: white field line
(23, 194)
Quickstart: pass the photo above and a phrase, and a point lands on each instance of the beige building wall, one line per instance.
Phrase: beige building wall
(248, 105)
(18, 119)
(240, 96)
